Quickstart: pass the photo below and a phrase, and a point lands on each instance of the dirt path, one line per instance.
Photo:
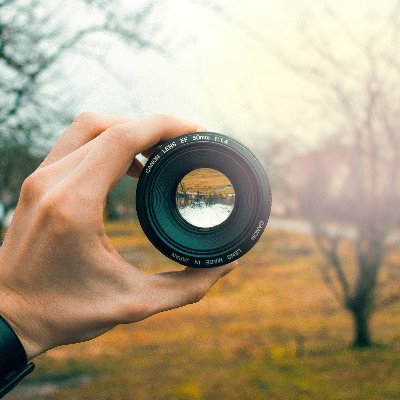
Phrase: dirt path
(40, 388)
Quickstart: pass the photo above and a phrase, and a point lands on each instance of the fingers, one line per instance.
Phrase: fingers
(84, 136)
(144, 295)
(179, 288)
(116, 148)
(83, 129)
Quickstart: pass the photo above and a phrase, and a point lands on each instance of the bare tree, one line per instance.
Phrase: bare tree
(350, 188)
(35, 39)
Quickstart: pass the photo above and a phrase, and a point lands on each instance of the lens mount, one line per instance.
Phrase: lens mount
(164, 225)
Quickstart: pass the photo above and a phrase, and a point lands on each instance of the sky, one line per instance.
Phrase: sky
(223, 70)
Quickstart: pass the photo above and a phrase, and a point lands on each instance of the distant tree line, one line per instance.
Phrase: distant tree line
(36, 39)
(348, 186)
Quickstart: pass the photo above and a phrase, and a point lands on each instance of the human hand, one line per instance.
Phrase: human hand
(61, 280)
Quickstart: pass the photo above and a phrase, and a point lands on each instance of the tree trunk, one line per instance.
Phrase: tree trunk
(362, 336)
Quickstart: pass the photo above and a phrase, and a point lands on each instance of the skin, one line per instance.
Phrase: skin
(61, 280)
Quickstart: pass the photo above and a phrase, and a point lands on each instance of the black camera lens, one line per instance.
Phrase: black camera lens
(203, 199)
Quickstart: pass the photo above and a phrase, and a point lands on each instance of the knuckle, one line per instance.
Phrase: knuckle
(117, 136)
(32, 188)
(132, 313)
(86, 118)
(161, 119)
(197, 294)
(57, 212)
(137, 301)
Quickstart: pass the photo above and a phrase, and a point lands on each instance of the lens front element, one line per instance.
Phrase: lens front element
(205, 197)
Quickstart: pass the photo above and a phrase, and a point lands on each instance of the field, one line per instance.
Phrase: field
(269, 330)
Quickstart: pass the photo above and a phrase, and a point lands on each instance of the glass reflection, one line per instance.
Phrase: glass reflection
(205, 197)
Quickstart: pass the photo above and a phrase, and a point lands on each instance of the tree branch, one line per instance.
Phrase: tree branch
(327, 279)
(329, 248)
(388, 301)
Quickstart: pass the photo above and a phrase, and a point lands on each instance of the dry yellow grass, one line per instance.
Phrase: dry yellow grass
(269, 330)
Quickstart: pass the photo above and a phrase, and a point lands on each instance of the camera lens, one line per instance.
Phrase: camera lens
(203, 199)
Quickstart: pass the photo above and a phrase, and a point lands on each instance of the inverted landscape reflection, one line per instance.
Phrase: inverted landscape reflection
(205, 197)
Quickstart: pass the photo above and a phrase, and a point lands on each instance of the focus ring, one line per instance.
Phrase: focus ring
(186, 243)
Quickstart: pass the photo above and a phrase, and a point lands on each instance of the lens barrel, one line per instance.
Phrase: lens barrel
(163, 224)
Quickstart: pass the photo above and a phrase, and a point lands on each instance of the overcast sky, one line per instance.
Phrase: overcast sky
(222, 71)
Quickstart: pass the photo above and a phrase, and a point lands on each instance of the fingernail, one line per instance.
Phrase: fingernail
(138, 163)
(141, 158)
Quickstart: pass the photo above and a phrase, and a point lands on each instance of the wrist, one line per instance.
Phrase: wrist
(14, 365)
(31, 349)
(19, 321)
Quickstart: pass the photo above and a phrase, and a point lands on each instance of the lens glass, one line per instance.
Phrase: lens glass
(205, 197)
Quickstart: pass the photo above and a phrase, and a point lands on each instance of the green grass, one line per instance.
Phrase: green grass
(241, 341)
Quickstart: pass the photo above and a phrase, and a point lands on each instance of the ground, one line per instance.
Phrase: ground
(269, 330)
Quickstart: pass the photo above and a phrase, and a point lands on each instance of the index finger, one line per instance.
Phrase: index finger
(84, 128)
(115, 149)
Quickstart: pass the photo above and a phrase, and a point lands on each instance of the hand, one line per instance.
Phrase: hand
(61, 280)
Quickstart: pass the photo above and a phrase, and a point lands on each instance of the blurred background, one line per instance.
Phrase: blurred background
(313, 88)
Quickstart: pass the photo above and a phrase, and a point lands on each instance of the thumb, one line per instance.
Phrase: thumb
(178, 288)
